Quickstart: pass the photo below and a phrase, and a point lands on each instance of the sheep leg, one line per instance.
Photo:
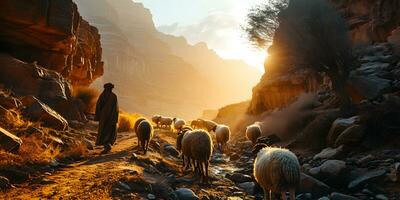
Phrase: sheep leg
(183, 161)
(284, 196)
(266, 194)
(292, 193)
(206, 170)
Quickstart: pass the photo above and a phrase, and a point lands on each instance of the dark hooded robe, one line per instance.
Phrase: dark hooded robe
(107, 115)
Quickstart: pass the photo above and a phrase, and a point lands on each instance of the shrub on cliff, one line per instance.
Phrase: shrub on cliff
(88, 96)
(126, 121)
(311, 31)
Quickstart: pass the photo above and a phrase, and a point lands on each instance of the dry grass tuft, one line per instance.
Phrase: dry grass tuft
(126, 121)
(32, 151)
(76, 150)
(88, 96)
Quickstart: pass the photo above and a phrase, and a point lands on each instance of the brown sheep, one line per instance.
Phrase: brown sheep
(145, 133)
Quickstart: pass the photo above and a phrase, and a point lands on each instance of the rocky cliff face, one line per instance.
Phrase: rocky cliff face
(158, 73)
(370, 22)
(45, 49)
(53, 34)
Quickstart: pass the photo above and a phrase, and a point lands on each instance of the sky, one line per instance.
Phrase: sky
(215, 22)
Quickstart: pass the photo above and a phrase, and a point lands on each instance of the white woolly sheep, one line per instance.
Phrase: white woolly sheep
(222, 134)
(178, 123)
(179, 138)
(145, 134)
(165, 122)
(253, 132)
(156, 119)
(135, 127)
(198, 146)
(277, 170)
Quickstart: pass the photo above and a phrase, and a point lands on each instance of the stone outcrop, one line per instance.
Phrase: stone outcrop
(8, 141)
(37, 111)
(374, 26)
(53, 34)
(50, 87)
(370, 20)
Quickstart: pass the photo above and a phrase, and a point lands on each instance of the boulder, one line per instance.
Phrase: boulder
(368, 85)
(9, 102)
(330, 153)
(340, 196)
(366, 178)
(311, 185)
(171, 150)
(338, 126)
(36, 110)
(332, 168)
(248, 187)
(50, 87)
(239, 178)
(186, 194)
(4, 183)
(8, 141)
(352, 135)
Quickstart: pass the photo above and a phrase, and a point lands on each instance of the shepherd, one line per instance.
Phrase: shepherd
(107, 115)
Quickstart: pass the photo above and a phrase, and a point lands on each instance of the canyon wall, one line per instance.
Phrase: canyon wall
(158, 73)
(370, 22)
(46, 48)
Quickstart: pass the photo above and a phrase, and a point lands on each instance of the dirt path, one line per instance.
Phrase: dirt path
(100, 176)
(89, 179)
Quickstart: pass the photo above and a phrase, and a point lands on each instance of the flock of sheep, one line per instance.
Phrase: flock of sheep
(277, 170)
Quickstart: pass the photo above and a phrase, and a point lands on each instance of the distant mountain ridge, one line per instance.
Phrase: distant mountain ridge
(159, 73)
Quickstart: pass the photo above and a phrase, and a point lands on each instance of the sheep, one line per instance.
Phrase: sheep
(196, 123)
(253, 132)
(165, 122)
(156, 119)
(198, 146)
(207, 125)
(135, 127)
(144, 133)
(178, 123)
(181, 133)
(277, 170)
(222, 134)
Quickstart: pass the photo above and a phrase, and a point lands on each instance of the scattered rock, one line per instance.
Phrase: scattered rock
(340, 196)
(338, 126)
(268, 140)
(304, 196)
(352, 135)
(124, 186)
(239, 178)
(381, 197)
(248, 187)
(394, 174)
(234, 157)
(89, 144)
(311, 185)
(4, 183)
(186, 194)
(8, 141)
(330, 153)
(366, 178)
(151, 196)
(171, 150)
(332, 168)
(36, 110)
(365, 159)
